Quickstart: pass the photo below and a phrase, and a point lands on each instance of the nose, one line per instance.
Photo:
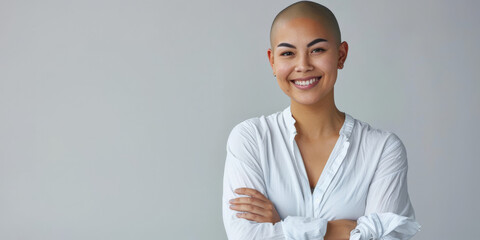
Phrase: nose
(303, 64)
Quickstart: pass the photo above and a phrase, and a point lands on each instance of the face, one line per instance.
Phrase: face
(305, 59)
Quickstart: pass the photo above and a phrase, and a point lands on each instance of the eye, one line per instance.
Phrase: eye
(316, 50)
(286, 54)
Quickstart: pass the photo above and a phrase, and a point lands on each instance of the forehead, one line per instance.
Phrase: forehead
(301, 29)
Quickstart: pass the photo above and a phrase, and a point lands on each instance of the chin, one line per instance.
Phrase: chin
(306, 101)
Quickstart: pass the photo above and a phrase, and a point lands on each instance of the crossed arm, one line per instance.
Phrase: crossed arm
(260, 209)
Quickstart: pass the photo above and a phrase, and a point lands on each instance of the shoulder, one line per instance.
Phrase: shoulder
(247, 130)
(384, 144)
(253, 129)
(244, 141)
(369, 135)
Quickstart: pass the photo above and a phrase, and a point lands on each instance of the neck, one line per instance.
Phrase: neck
(317, 121)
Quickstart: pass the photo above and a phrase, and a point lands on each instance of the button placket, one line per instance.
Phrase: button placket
(330, 174)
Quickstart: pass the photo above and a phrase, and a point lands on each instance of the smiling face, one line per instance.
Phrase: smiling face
(305, 57)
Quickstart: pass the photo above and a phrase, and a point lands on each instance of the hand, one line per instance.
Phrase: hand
(340, 229)
(256, 207)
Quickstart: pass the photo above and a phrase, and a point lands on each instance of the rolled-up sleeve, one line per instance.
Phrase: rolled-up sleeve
(389, 213)
(243, 169)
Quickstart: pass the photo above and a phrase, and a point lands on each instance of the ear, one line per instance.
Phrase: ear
(342, 54)
(270, 59)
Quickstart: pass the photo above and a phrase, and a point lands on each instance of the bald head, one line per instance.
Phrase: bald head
(307, 9)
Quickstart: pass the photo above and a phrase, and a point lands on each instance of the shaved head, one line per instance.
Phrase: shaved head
(311, 10)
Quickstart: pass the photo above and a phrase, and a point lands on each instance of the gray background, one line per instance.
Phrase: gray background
(114, 115)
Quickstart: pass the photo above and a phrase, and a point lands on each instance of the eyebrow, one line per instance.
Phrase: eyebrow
(316, 41)
(286, 45)
(308, 45)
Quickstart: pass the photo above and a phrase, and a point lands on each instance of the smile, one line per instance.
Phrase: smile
(306, 83)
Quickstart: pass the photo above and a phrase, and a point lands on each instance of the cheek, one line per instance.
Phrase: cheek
(283, 84)
(327, 64)
(283, 69)
(283, 72)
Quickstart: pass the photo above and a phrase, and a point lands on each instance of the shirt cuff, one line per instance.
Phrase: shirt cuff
(304, 228)
(384, 225)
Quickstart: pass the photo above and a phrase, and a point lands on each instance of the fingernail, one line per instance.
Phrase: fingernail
(231, 201)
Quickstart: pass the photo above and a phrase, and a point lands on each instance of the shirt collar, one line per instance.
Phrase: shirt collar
(346, 129)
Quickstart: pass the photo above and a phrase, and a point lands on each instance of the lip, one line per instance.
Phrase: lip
(307, 86)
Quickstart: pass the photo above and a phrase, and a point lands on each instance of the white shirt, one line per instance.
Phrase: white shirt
(364, 179)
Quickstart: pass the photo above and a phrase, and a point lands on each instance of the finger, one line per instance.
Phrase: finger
(249, 200)
(250, 208)
(251, 192)
(251, 217)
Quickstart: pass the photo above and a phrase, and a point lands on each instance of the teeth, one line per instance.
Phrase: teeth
(306, 82)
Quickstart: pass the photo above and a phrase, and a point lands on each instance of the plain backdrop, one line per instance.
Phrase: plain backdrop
(114, 115)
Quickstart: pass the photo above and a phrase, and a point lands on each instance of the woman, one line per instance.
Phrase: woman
(312, 171)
